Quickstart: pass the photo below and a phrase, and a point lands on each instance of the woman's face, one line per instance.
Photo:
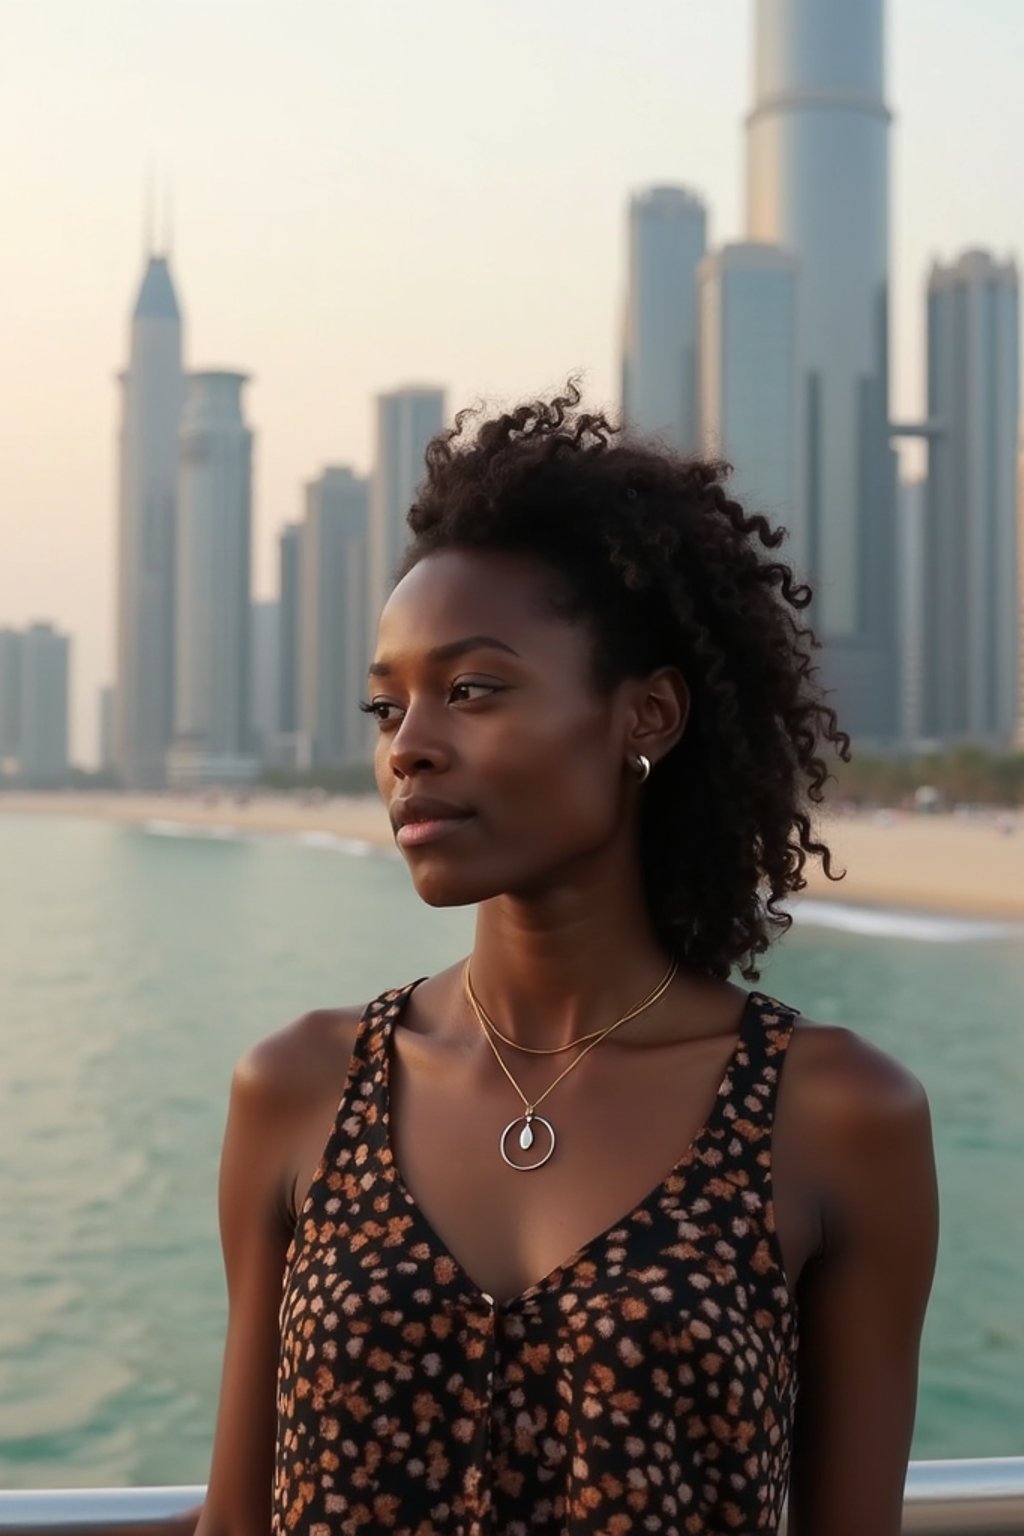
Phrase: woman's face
(512, 733)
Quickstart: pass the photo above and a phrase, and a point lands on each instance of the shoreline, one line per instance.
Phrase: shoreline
(958, 865)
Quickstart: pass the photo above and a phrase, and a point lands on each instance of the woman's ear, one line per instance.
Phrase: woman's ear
(661, 708)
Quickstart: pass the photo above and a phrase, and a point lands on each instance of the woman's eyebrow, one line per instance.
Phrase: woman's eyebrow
(449, 651)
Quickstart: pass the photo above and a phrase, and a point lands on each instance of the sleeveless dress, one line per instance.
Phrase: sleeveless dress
(646, 1385)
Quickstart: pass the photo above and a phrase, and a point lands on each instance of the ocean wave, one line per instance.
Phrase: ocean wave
(218, 831)
(336, 843)
(880, 922)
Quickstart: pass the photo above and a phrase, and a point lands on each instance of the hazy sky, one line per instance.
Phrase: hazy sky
(373, 192)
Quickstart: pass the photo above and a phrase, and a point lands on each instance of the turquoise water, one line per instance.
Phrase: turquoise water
(136, 969)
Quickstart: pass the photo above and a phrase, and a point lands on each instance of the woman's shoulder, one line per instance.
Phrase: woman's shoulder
(846, 1077)
(294, 1059)
(290, 1062)
(852, 1107)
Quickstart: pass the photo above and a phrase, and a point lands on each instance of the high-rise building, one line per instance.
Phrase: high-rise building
(667, 240)
(818, 185)
(749, 395)
(152, 390)
(912, 510)
(45, 656)
(265, 691)
(214, 583)
(106, 717)
(289, 587)
(11, 648)
(406, 421)
(334, 657)
(972, 634)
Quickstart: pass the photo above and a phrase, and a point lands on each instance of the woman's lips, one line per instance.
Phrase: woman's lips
(412, 833)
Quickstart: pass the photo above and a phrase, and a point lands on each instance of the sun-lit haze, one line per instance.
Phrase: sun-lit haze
(388, 191)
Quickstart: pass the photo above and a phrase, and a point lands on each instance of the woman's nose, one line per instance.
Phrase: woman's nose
(416, 746)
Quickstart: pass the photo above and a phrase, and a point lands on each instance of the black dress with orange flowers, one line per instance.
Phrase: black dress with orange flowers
(646, 1385)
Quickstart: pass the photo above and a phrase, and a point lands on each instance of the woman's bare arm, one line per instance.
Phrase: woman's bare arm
(254, 1240)
(274, 1088)
(863, 1301)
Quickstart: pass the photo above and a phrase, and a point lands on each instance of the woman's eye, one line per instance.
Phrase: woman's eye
(380, 708)
(375, 707)
(462, 691)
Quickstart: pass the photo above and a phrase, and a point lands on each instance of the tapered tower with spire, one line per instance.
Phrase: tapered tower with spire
(818, 185)
(152, 393)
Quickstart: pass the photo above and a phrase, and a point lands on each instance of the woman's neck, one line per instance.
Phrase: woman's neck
(545, 984)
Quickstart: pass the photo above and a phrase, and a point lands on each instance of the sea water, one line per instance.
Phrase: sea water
(139, 963)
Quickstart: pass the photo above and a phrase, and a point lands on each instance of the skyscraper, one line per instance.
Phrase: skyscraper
(818, 185)
(214, 581)
(11, 647)
(265, 678)
(971, 608)
(289, 586)
(667, 239)
(748, 378)
(151, 401)
(406, 421)
(912, 525)
(45, 658)
(333, 607)
(105, 733)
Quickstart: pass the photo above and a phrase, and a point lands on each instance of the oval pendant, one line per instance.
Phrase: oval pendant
(526, 1138)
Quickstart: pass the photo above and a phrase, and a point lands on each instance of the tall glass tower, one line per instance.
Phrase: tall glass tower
(406, 421)
(818, 185)
(667, 239)
(151, 403)
(748, 377)
(214, 571)
(333, 660)
(970, 551)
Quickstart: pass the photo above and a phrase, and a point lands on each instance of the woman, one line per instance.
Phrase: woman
(596, 721)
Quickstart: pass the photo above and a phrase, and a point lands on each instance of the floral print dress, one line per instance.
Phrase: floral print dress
(645, 1385)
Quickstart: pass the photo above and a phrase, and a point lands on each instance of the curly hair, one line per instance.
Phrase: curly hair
(666, 570)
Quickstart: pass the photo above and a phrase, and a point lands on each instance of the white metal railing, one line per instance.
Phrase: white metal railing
(981, 1497)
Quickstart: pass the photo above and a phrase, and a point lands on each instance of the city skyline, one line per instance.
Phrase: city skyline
(257, 297)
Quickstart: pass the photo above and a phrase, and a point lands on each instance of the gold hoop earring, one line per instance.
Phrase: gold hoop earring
(643, 766)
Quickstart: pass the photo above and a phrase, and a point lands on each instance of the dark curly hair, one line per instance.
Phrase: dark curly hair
(665, 569)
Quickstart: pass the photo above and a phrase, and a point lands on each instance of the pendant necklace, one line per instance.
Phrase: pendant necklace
(550, 1050)
(530, 1117)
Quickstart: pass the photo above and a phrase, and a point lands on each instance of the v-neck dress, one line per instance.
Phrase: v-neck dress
(645, 1385)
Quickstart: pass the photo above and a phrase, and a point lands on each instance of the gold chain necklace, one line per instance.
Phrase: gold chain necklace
(526, 1135)
(554, 1050)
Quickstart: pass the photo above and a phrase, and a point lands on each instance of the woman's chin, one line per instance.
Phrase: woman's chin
(450, 887)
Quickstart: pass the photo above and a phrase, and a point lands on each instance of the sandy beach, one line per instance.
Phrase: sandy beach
(972, 865)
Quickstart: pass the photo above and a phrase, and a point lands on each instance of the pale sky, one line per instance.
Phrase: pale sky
(373, 192)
